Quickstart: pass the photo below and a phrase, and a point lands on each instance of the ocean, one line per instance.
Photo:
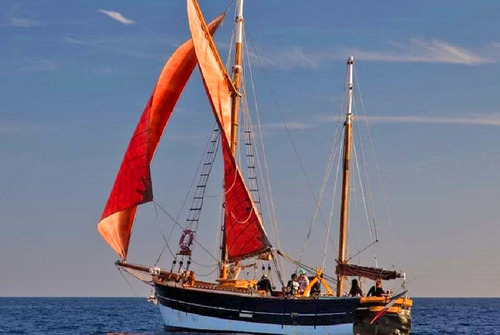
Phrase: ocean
(134, 316)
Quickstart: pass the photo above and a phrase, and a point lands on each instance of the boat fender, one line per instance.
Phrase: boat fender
(188, 278)
(152, 298)
(186, 239)
(155, 270)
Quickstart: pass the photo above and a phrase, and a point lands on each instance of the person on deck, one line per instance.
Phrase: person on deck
(355, 289)
(264, 284)
(316, 288)
(303, 281)
(292, 287)
(234, 270)
(377, 290)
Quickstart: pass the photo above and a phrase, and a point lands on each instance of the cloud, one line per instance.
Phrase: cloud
(287, 58)
(23, 22)
(474, 119)
(490, 120)
(414, 51)
(106, 47)
(422, 51)
(117, 16)
(470, 119)
(102, 70)
(294, 125)
(40, 66)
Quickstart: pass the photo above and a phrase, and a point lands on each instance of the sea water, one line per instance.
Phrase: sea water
(431, 316)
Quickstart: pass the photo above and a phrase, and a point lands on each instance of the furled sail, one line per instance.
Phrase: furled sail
(244, 233)
(367, 272)
(133, 185)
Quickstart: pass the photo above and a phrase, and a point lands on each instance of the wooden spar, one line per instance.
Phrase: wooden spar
(132, 266)
(158, 275)
(237, 70)
(344, 210)
(235, 103)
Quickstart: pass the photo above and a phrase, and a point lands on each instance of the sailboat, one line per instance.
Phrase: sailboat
(230, 303)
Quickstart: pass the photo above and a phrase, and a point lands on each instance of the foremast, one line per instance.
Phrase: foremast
(344, 209)
(235, 104)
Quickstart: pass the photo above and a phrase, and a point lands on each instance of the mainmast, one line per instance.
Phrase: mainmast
(235, 104)
(344, 210)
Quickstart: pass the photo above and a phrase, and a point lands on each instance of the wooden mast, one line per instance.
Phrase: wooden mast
(344, 210)
(235, 104)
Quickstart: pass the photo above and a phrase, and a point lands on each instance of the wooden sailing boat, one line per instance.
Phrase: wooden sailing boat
(231, 304)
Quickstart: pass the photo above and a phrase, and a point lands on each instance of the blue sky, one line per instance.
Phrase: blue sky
(76, 76)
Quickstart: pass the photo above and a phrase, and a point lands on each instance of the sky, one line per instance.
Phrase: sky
(76, 75)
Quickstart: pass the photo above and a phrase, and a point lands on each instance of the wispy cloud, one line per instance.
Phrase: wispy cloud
(489, 120)
(422, 51)
(469, 119)
(294, 125)
(40, 66)
(102, 70)
(286, 58)
(23, 22)
(413, 51)
(117, 16)
(473, 119)
(111, 48)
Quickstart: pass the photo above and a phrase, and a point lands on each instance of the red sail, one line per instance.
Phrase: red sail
(244, 233)
(133, 185)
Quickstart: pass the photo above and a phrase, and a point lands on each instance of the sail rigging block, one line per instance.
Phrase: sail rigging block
(133, 185)
(366, 272)
(244, 233)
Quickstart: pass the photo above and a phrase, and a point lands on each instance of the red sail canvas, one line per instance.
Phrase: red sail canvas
(133, 185)
(244, 233)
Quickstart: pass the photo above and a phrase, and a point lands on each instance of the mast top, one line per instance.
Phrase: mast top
(350, 86)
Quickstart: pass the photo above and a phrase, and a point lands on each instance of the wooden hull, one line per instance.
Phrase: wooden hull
(397, 320)
(212, 309)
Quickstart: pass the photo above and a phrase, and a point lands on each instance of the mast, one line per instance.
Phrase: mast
(235, 104)
(344, 210)
(237, 70)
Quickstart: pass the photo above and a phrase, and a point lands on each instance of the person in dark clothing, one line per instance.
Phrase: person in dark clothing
(292, 287)
(264, 284)
(316, 288)
(355, 289)
(377, 290)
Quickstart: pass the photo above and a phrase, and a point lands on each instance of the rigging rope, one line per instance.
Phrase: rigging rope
(333, 152)
(368, 187)
(362, 250)
(204, 157)
(330, 223)
(251, 153)
(218, 244)
(207, 274)
(362, 193)
(305, 266)
(203, 265)
(264, 173)
(379, 177)
(308, 182)
(165, 239)
(181, 227)
(128, 283)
